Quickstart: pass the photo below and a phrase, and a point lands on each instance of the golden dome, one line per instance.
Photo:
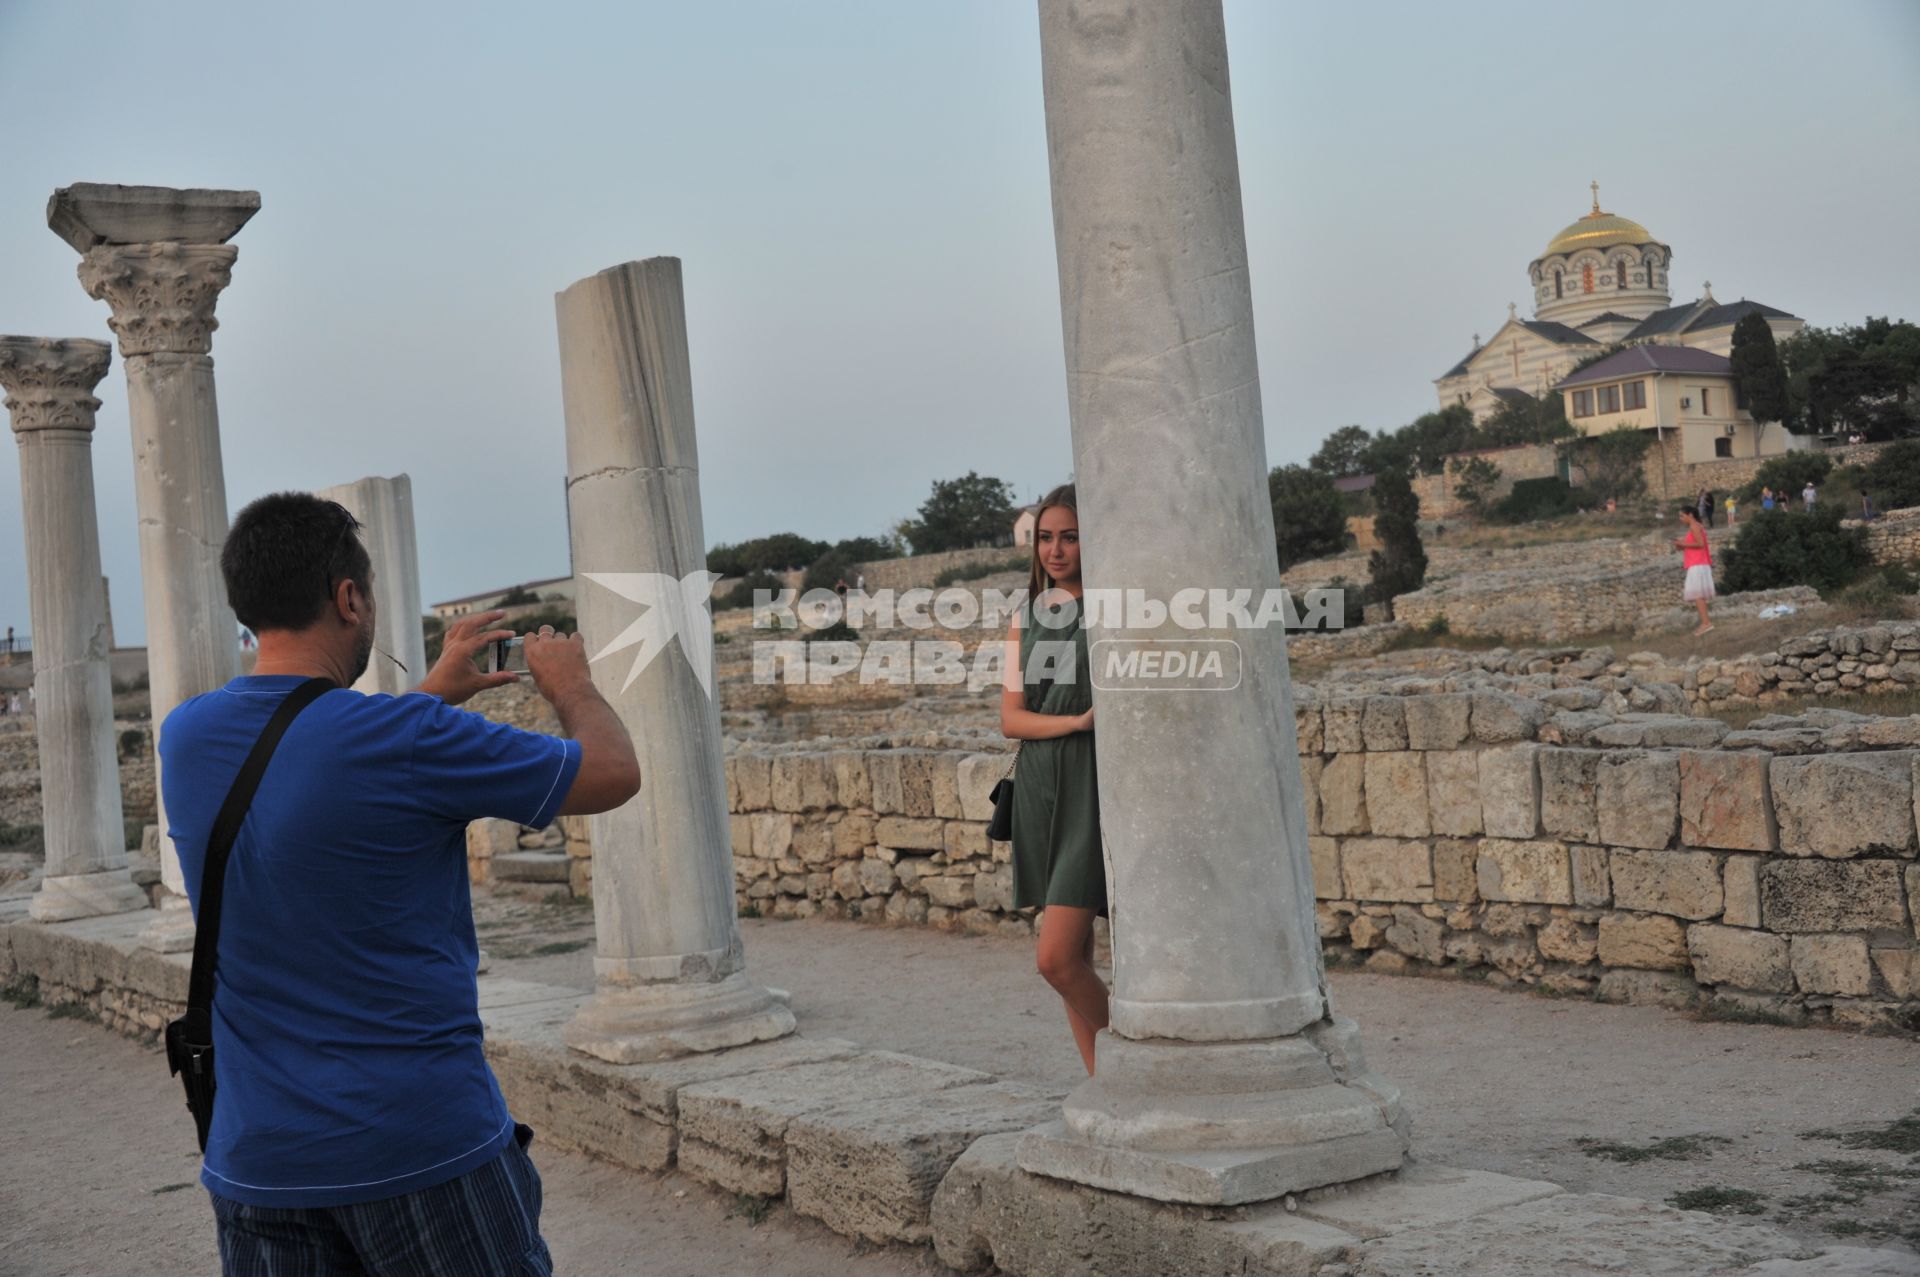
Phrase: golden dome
(1598, 230)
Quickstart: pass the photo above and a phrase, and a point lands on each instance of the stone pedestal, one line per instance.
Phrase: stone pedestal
(385, 510)
(1224, 1077)
(669, 962)
(49, 388)
(158, 257)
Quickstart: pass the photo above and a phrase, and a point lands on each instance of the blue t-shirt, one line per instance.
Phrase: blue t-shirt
(346, 1024)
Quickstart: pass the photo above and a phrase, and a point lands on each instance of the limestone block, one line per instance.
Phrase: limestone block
(1564, 940)
(772, 833)
(802, 782)
(1500, 717)
(1310, 769)
(1383, 723)
(531, 866)
(943, 774)
(949, 892)
(1591, 885)
(733, 1131)
(1740, 884)
(870, 1169)
(884, 781)
(739, 835)
(1726, 800)
(1510, 791)
(1309, 728)
(1645, 941)
(1802, 896)
(489, 836)
(1386, 869)
(1533, 872)
(1739, 957)
(1326, 868)
(852, 834)
(1453, 790)
(813, 842)
(917, 769)
(1418, 936)
(753, 776)
(993, 890)
(966, 840)
(1439, 721)
(1648, 988)
(1832, 964)
(580, 877)
(917, 833)
(976, 776)
(876, 877)
(1397, 793)
(1639, 799)
(846, 879)
(1343, 801)
(1364, 932)
(902, 907)
(851, 788)
(1455, 876)
(1569, 793)
(1900, 971)
(1685, 884)
(1343, 730)
(1841, 805)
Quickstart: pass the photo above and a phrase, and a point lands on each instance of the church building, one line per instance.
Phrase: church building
(1601, 282)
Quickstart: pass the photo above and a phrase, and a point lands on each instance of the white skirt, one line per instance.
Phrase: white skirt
(1699, 583)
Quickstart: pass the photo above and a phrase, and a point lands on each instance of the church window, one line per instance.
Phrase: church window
(1583, 403)
(1620, 273)
(1609, 399)
(1635, 394)
(1586, 278)
(1556, 284)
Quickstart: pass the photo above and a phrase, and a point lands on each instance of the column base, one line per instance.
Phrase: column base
(171, 930)
(640, 1023)
(1224, 1123)
(64, 897)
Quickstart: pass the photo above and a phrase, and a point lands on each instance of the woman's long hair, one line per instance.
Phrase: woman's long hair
(1037, 579)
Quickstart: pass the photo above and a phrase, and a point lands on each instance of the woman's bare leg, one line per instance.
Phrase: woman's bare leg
(1065, 959)
(1705, 624)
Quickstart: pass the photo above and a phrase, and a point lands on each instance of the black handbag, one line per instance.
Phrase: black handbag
(1000, 827)
(190, 1038)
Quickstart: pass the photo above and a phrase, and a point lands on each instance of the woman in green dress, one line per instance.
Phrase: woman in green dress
(1046, 704)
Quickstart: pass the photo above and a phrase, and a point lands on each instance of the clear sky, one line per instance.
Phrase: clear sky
(859, 193)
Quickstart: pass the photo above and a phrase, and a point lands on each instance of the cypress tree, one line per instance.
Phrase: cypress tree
(1399, 566)
(1757, 369)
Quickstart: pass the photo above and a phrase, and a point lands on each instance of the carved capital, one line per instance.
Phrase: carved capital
(162, 294)
(49, 381)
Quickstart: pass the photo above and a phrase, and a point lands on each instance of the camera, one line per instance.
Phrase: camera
(509, 655)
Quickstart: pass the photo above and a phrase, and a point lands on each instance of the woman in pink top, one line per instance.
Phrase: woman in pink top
(1697, 555)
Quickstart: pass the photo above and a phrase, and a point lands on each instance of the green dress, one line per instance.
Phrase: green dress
(1057, 857)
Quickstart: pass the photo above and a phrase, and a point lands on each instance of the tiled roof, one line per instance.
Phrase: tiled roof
(1638, 359)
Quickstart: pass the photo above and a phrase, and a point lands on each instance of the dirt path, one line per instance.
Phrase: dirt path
(1496, 1079)
(100, 1180)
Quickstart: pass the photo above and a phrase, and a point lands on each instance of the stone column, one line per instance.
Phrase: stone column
(159, 258)
(1225, 1077)
(49, 388)
(385, 510)
(670, 964)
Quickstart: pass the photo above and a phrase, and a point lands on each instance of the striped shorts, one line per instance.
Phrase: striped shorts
(485, 1223)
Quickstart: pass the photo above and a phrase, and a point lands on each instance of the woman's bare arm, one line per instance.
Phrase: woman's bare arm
(1017, 722)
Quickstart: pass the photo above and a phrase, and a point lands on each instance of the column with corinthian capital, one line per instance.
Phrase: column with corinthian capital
(49, 387)
(159, 257)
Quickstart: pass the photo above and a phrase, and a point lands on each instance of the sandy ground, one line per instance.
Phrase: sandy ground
(103, 1177)
(101, 1180)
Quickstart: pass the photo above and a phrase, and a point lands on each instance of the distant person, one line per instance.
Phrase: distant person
(1730, 509)
(1703, 506)
(1766, 498)
(1696, 555)
(1612, 505)
(1807, 495)
(1866, 508)
(9, 640)
(13, 703)
(860, 582)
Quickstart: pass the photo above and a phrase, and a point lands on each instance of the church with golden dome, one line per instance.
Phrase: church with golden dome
(1603, 281)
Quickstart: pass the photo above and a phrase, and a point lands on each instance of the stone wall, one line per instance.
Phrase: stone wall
(1531, 840)
(1895, 537)
(1543, 605)
(920, 570)
(20, 772)
(1439, 498)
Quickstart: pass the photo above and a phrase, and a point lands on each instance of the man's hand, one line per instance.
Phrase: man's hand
(609, 771)
(454, 676)
(558, 664)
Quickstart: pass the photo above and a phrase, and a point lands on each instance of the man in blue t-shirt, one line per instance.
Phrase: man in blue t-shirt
(358, 1128)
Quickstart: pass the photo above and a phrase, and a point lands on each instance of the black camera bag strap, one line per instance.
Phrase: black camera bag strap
(190, 1038)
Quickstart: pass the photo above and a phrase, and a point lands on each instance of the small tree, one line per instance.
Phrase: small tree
(1893, 478)
(962, 513)
(1309, 519)
(1757, 371)
(1341, 455)
(1473, 480)
(1787, 473)
(1777, 549)
(1523, 419)
(1399, 566)
(1611, 462)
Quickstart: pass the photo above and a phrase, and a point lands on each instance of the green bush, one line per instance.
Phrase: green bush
(838, 632)
(1532, 499)
(1787, 473)
(1892, 479)
(1778, 548)
(741, 595)
(1399, 566)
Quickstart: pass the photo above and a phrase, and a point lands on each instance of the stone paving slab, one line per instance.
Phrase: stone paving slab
(869, 1168)
(733, 1132)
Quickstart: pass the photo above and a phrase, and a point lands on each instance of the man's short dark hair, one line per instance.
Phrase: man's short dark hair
(284, 556)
